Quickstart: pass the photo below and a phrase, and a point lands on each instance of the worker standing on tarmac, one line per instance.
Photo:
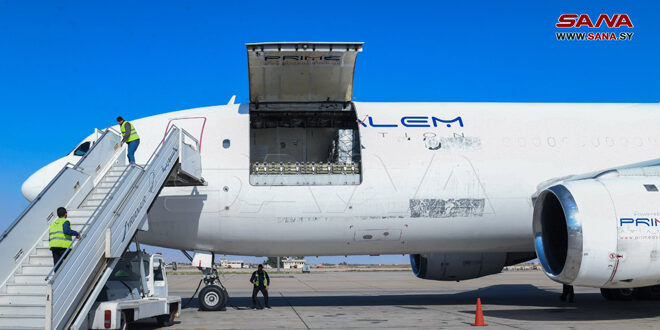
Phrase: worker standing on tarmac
(261, 282)
(60, 236)
(129, 136)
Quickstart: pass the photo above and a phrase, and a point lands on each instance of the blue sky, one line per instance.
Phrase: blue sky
(67, 67)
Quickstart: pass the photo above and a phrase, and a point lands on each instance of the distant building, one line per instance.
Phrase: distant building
(290, 263)
(235, 264)
(225, 263)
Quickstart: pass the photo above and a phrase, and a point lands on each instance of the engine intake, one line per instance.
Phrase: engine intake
(600, 232)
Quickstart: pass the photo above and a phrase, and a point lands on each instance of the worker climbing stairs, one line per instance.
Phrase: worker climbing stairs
(107, 202)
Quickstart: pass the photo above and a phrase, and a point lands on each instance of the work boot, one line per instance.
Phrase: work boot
(253, 307)
(268, 306)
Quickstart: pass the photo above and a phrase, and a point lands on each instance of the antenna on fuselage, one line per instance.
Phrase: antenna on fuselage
(231, 100)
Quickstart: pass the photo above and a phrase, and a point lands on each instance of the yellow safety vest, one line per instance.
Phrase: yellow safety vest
(134, 135)
(256, 279)
(56, 237)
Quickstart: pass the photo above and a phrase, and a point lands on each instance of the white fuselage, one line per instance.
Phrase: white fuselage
(500, 155)
(471, 194)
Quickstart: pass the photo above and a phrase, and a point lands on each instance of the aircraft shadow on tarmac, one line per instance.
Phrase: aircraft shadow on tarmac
(529, 303)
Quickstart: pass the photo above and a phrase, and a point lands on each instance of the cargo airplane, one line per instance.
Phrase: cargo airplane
(463, 188)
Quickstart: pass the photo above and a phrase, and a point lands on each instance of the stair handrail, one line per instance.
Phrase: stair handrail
(96, 143)
(102, 203)
(149, 161)
(112, 189)
(160, 145)
(35, 200)
(184, 132)
(50, 184)
(126, 186)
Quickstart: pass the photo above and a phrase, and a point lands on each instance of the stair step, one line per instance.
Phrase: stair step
(27, 321)
(29, 279)
(80, 213)
(78, 222)
(42, 252)
(98, 195)
(77, 227)
(13, 288)
(22, 309)
(24, 298)
(46, 260)
(28, 269)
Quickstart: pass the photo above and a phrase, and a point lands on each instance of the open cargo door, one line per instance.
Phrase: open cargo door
(301, 72)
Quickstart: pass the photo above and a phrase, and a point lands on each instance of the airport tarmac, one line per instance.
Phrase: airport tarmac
(331, 300)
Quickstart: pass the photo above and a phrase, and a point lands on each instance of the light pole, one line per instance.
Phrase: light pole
(278, 264)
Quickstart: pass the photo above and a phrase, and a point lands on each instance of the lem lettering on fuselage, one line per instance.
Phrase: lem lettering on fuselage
(413, 121)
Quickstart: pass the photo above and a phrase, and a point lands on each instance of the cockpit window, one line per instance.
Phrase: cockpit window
(82, 149)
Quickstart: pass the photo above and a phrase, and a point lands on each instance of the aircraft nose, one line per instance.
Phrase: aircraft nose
(38, 181)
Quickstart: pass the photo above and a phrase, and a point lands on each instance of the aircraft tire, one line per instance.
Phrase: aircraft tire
(212, 298)
(618, 294)
(648, 292)
(226, 296)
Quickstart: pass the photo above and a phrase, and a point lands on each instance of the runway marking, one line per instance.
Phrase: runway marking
(305, 283)
(294, 310)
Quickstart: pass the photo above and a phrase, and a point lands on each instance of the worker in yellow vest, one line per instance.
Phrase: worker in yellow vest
(130, 137)
(60, 236)
(260, 281)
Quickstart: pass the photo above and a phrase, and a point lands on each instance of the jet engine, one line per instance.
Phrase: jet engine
(600, 232)
(463, 266)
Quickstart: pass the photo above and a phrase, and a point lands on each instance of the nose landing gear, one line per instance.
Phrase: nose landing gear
(214, 296)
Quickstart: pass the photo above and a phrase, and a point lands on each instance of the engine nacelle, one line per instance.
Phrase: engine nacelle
(463, 266)
(601, 232)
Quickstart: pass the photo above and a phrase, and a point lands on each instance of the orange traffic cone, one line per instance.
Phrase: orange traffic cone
(479, 317)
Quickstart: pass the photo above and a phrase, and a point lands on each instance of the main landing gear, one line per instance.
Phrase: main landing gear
(213, 296)
(644, 293)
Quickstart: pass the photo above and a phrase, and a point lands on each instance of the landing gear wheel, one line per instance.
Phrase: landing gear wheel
(226, 296)
(212, 298)
(166, 320)
(618, 294)
(648, 292)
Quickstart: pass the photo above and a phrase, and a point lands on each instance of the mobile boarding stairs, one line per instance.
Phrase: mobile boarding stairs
(107, 202)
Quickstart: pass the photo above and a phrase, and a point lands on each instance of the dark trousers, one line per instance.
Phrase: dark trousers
(57, 254)
(264, 292)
